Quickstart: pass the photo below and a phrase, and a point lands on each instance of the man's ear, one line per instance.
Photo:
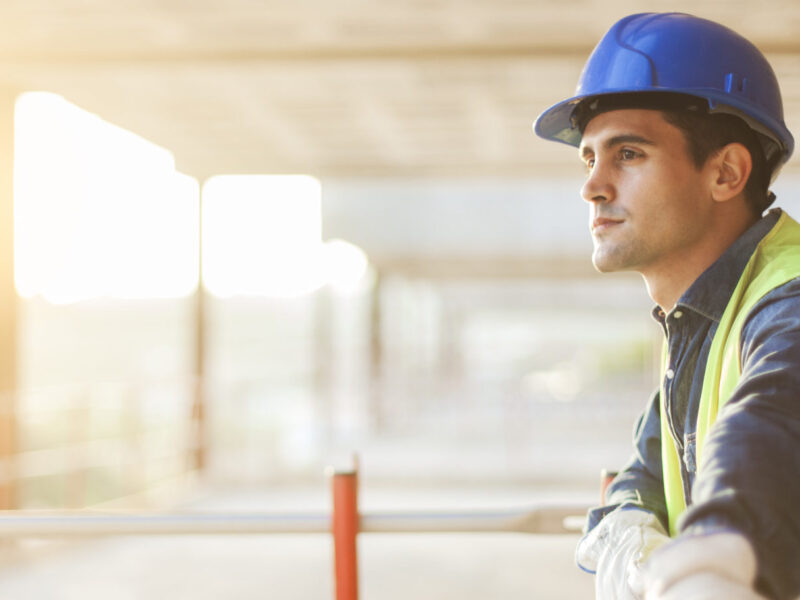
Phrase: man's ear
(731, 168)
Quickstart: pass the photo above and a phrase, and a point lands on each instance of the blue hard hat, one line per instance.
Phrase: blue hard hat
(682, 54)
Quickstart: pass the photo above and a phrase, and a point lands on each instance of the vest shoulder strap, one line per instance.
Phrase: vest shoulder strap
(775, 261)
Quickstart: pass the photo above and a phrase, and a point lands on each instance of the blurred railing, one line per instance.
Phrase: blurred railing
(87, 445)
(114, 447)
(344, 523)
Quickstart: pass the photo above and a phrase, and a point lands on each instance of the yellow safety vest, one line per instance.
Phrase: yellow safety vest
(775, 261)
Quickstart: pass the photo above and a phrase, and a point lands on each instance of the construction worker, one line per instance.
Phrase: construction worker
(679, 122)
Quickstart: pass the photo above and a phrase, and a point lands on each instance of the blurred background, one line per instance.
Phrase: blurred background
(240, 241)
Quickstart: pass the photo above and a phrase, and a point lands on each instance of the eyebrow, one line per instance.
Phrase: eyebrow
(625, 138)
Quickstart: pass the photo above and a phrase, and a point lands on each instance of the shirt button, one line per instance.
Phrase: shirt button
(677, 314)
(670, 373)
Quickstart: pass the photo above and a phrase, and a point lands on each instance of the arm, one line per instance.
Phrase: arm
(639, 484)
(621, 535)
(749, 481)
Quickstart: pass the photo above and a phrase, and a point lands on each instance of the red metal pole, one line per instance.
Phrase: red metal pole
(606, 477)
(345, 525)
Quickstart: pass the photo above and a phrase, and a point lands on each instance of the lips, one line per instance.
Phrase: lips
(603, 223)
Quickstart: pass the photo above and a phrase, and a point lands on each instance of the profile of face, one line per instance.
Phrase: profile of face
(649, 203)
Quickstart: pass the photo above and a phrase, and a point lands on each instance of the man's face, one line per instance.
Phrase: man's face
(649, 204)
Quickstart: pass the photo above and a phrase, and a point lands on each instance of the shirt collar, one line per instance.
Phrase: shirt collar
(709, 294)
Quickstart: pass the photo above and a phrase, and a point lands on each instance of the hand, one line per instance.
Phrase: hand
(701, 567)
(616, 550)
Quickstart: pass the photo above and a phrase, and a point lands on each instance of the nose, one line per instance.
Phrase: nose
(597, 187)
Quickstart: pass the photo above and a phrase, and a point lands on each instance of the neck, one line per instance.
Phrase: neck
(667, 281)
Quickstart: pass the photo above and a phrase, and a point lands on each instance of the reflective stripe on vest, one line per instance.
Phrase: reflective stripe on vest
(775, 261)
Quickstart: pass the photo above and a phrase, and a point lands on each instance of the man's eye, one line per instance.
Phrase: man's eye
(627, 154)
(589, 164)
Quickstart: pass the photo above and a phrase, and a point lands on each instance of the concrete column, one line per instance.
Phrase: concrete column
(199, 459)
(198, 416)
(8, 303)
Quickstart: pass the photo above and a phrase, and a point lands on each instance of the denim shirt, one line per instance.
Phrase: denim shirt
(750, 480)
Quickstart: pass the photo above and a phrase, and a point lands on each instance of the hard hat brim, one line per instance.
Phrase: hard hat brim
(557, 122)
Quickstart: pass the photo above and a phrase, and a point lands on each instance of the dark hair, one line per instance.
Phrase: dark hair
(704, 133)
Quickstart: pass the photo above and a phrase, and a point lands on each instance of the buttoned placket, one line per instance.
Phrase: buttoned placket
(667, 389)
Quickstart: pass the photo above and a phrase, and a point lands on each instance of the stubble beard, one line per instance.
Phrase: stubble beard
(609, 257)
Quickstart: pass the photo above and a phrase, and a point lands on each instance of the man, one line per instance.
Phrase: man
(679, 121)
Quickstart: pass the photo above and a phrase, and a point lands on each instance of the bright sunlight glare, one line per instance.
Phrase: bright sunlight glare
(262, 236)
(346, 265)
(99, 211)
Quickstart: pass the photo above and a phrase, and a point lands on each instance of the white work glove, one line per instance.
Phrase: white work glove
(616, 549)
(701, 567)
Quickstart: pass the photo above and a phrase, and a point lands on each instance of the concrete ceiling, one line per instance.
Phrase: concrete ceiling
(359, 88)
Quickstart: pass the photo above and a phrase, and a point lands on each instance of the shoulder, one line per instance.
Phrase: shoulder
(784, 298)
(774, 317)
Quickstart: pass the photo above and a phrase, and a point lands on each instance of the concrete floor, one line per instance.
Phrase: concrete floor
(442, 567)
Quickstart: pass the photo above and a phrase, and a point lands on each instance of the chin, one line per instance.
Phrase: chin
(601, 268)
(606, 264)
(599, 263)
